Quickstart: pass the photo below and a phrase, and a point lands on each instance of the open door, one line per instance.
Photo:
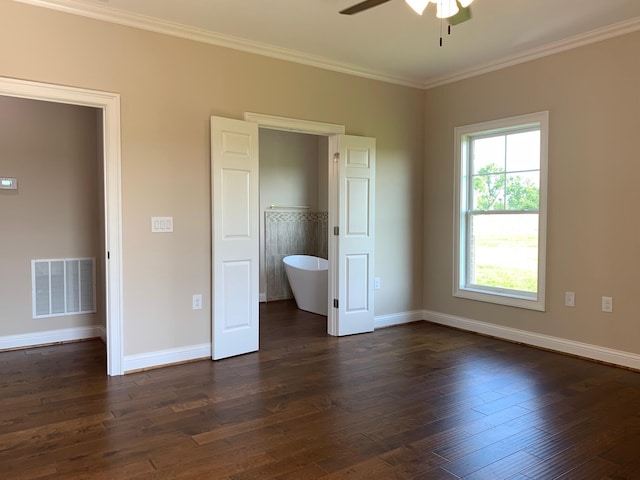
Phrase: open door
(235, 237)
(352, 249)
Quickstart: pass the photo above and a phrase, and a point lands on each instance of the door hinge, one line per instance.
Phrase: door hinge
(336, 231)
(335, 303)
(336, 157)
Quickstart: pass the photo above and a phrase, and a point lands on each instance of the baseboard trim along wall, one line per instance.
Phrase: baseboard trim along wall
(166, 357)
(103, 334)
(52, 336)
(195, 352)
(593, 352)
(382, 321)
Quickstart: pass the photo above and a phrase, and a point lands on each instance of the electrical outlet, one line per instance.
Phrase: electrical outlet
(197, 302)
(569, 299)
(376, 283)
(607, 304)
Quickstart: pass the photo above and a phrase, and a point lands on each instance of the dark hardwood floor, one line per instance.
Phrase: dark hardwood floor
(417, 401)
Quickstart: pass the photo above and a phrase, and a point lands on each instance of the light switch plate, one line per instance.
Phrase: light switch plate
(161, 224)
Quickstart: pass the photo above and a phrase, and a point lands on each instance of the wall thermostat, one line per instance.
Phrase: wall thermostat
(8, 183)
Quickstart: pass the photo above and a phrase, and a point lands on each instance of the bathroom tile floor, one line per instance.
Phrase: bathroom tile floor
(417, 401)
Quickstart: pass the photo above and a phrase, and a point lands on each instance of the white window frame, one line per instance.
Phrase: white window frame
(463, 136)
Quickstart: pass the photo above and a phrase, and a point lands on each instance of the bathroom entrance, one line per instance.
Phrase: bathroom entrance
(294, 210)
(350, 164)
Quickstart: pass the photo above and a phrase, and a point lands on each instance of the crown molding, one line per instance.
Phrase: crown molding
(128, 19)
(120, 17)
(594, 36)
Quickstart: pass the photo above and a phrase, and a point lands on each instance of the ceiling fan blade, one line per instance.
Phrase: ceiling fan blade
(464, 14)
(359, 7)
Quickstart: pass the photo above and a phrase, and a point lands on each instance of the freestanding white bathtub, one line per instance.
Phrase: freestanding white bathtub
(308, 278)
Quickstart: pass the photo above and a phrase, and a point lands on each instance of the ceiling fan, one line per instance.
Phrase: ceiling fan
(455, 11)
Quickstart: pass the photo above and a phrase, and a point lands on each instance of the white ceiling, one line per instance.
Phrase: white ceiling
(389, 42)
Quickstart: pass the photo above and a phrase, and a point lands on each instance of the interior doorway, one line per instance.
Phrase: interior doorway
(235, 229)
(325, 131)
(293, 205)
(109, 106)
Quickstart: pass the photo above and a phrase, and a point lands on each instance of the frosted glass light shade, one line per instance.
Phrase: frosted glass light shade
(418, 5)
(446, 8)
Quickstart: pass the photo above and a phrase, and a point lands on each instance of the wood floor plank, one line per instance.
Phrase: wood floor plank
(48, 435)
(364, 470)
(506, 467)
(593, 468)
(412, 402)
(497, 451)
(407, 462)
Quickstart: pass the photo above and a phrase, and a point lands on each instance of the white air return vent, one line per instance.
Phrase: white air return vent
(63, 287)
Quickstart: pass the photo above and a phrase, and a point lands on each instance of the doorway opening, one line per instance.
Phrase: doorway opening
(302, 211)
(235, 230)
(107, 107)
(293, 207)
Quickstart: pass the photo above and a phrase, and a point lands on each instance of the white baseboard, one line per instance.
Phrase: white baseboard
(586, 350)
(52, 336)
(102, 331)
(195, 352)
(166, 357)
(382, 321)
(262, 297)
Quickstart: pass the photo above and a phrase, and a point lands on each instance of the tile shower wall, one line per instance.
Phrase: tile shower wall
(291, 233)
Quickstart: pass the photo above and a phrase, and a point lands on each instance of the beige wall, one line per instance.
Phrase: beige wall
(169, 88)
(593, 98)
(52, 150)
(289, 167)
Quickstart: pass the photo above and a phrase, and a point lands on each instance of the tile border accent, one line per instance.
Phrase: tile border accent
(272, 216)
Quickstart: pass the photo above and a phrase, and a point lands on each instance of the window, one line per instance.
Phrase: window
(501, 185)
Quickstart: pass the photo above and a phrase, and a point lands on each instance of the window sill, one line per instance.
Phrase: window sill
(535, 302)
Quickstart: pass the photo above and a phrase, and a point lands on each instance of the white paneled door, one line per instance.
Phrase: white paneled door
(354, 170)
(235, 237)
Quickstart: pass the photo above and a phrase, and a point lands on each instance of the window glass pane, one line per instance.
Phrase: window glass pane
(504, 251)
(523, 191)
(488, 154)
(523, 151)
(488, 192)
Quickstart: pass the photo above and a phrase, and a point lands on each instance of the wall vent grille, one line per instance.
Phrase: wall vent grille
(63, 287)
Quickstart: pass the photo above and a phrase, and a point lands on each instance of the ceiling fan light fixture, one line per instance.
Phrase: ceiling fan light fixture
(446, 8)
(418, 5)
